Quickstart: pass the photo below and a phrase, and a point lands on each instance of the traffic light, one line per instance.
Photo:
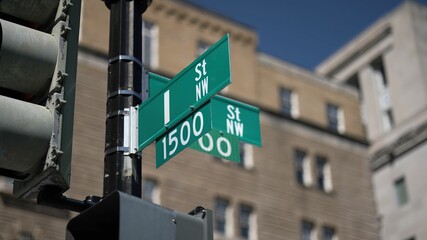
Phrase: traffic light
(38, 57)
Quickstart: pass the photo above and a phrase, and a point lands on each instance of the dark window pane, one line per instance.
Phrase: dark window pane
(299, 166)
(328, 233)
(332, 112)
(242, 154)
(401, 192)
(378, 66)
(306, 230)
(244, 225)
(286, 101)
(320, 172)
(220, 214)
(202, 47)
(24, 235)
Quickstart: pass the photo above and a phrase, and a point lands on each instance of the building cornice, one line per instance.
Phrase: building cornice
(354, 49)
(399, 147)
(303, 74)
(205, 20)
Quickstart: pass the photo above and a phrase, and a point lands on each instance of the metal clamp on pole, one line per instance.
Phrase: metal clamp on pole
(125, 58)
(124, 92)
(130, 131)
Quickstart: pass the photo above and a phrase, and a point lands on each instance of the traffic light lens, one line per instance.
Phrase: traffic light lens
(26, 53)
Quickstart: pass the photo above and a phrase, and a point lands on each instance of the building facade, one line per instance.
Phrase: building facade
(309, 180)
(387, 65)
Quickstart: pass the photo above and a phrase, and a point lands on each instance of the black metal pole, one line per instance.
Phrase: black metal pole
(122, 164)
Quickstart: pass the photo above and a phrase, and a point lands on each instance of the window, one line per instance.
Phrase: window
(246, 155)
(223, 216)
(289, 102)
(307, 231)
(401, 192)
(25, 235)
(320, 172)
(335, 118)
(328, 234)
(202, 47)
(242, 153)
(323, 174)
(150, 191)
(388, 121)
(332, 111)
(380, 73)
(354, 82)
(286, 101)
(384, 97)
(299, 166)
(302, 168)
(247, 222)
(150, 44)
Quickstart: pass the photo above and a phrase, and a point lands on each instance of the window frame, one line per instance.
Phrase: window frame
(335, 119)
(246, 155)
(289, 106)
(202, 47)
(302, 169)
(388, 119)
(248, 223)
(311, 230)
(150, 30)
(325, 229)
(225, 219)
(400, 187)
(323, 174)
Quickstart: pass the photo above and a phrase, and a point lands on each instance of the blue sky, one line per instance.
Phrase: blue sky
(303, 32)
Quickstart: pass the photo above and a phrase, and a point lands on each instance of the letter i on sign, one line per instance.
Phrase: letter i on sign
(166, 100)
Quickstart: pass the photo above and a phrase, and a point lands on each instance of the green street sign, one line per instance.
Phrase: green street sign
(229, 116)
(185, 93)
(236, 118)
(222, 145)
(183, 135)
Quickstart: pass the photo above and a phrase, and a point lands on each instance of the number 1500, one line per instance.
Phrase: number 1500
(180, 136)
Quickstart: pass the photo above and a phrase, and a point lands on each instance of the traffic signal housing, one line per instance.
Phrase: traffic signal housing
(122, 216)
(38, 61)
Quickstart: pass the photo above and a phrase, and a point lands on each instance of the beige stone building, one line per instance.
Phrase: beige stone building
(386, 63)
(309, 180)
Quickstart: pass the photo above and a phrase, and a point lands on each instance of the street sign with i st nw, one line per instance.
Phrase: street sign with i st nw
(197, 132)
(231, 121)
(185, 93)
(228, 115)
